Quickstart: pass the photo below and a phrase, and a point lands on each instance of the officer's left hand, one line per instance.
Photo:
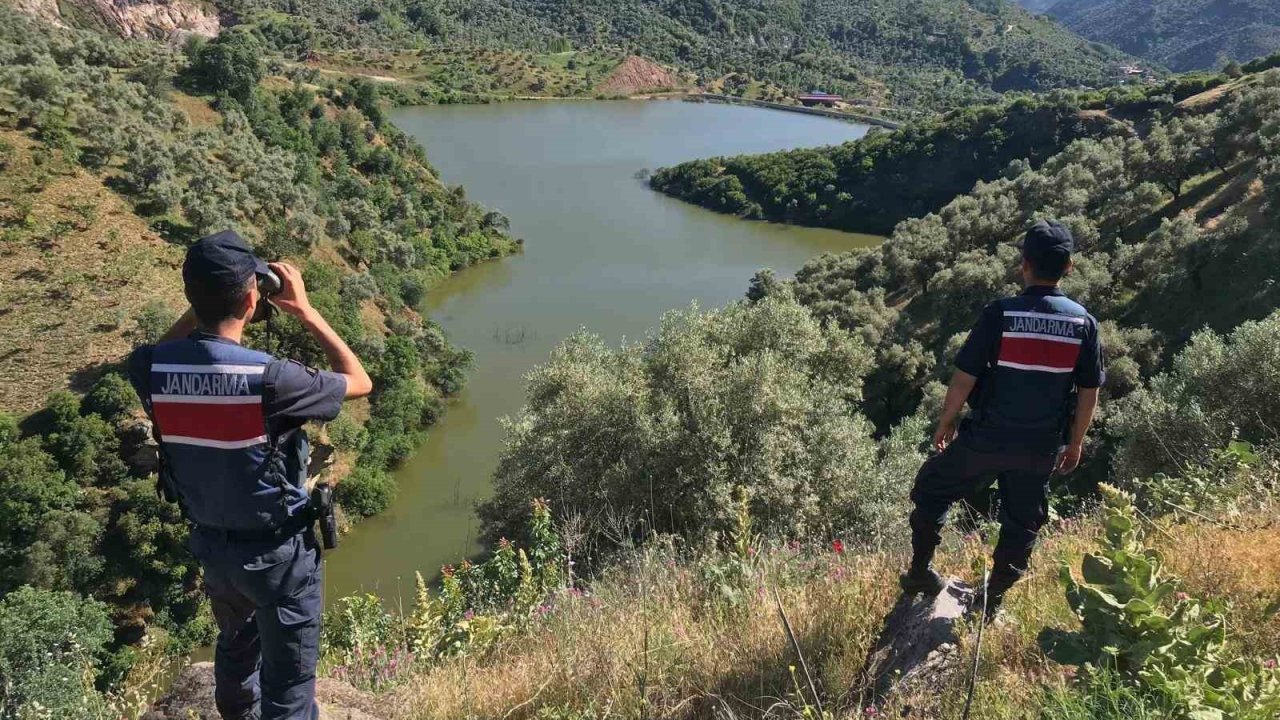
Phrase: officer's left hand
(1068, 459)
(292, 297)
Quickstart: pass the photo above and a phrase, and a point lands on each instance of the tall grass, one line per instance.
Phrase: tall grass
(666, 635)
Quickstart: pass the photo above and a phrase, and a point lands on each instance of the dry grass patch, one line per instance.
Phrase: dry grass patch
(196, 109)
(76, 266)
(655, 639)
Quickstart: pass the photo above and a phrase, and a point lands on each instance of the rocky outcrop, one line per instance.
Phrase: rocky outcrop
(637, 75)
(917, 647)
(156, 19)
(191, 698)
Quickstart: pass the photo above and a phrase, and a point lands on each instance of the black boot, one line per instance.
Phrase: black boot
(924, 581)
(921, 578)
(988, 600)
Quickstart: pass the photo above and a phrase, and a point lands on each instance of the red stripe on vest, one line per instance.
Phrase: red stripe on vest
(1046, 353)
(226, 423)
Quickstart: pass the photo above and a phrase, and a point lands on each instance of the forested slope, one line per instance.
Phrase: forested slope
(871, 184)
(1179, 34)
(934, 53)
(114, 156)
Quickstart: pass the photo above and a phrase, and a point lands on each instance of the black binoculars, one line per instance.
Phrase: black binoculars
(269, 284)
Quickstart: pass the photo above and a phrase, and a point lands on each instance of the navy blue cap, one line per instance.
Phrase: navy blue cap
(1048, 240)
(221, 260)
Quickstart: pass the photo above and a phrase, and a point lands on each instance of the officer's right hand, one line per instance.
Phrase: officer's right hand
(1068, 459)
(943, 436)
(292, 297)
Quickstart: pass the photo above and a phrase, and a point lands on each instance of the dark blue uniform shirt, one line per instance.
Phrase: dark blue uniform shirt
(293, 393)
(1029, 353)
(217, 464)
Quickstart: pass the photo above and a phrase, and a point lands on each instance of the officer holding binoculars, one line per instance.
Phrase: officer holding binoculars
(228, 421)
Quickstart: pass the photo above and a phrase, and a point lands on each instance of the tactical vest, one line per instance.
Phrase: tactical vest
(226, 468)
(1027, 395)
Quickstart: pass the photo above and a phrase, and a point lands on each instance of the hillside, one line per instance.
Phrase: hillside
(872, 184)
(932, 54)
(114, 156)
(1179, 34)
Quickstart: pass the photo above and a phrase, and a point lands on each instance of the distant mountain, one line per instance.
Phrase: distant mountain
(914, 53)
(1179, 34)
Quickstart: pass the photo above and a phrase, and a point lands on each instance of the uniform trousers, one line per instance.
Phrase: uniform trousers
(266, 598)
(958, 473)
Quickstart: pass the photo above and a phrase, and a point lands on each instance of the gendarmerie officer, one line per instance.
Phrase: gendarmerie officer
(1030, 371)
(229, 423)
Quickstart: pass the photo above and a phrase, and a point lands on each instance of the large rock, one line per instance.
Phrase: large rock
(917, 647)
(155, 19)
(137, 446)
(191, 698)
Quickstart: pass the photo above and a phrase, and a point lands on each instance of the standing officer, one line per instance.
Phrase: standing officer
(1030, 371)
(229, 423)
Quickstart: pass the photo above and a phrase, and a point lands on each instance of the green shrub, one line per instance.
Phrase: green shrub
(346, 434)
(366, 491)
(51, 644)
(1136, 622)
(112, 397)
(152, 322)
(1219, 388)
(760, 397)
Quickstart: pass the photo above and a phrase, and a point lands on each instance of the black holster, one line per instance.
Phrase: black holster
(323, 510)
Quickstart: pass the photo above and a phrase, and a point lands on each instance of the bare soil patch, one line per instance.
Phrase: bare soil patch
(76, 267)
(637, 75)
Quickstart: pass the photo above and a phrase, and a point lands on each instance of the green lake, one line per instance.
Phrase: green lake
(602, 251)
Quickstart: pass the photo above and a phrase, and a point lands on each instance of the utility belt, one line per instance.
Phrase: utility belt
(320, 510)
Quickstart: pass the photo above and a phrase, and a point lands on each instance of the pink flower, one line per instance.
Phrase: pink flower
(1269, 663)
(1181, 596)
(838, 546)
(468, 614)
(870, 711)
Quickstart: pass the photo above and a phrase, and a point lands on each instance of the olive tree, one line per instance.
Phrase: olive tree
(1217, 387)
(756, 398)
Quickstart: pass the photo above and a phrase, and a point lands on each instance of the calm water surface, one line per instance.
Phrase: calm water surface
(602, 252)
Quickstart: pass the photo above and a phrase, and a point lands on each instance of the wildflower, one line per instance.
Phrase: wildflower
(1181, 596)
(870, 711)
(1269, 663)
(468, 614)
(838, 546)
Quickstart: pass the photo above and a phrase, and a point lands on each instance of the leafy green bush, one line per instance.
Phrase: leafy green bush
(1218, 389)
(346, 434)
(760, 397)
(1137, 622)
(50, 646)
(366, 491)
(365, 644)
(151, 322)
(112, 397)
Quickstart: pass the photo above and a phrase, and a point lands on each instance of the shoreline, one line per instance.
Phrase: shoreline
(681, 95)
